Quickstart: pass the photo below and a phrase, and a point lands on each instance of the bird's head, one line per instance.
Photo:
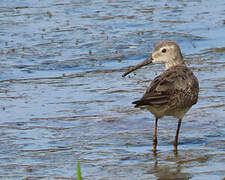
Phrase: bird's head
(167, 52)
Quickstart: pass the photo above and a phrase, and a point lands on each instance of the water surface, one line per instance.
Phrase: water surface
(62, 97)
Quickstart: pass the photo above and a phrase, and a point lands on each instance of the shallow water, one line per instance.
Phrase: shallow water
(62, 97)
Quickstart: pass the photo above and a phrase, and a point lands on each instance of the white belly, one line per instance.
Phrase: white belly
(160, 111)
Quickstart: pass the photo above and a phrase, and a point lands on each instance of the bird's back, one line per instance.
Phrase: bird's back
(171, 93)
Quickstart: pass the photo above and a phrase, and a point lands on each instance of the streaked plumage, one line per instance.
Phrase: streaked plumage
(174, 91)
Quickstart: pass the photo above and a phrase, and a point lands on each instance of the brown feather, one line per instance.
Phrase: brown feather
(168, 88)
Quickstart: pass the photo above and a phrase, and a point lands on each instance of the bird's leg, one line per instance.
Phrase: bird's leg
(155, 136)
(177, 134)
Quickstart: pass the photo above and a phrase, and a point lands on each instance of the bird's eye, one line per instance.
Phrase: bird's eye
(164, 50)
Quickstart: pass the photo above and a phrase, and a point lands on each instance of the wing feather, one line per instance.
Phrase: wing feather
(169, 87)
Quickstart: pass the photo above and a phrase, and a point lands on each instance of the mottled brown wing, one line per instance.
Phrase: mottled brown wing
(169, 87)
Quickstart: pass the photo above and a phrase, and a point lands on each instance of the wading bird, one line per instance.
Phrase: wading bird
(173, 92)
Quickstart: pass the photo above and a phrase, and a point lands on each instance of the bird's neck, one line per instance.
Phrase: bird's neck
(175, 62)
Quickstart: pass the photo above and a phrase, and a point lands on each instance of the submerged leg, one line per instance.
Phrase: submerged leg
(177, 134)
(155, 136)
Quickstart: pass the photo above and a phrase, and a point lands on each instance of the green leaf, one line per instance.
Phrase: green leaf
(79, 177)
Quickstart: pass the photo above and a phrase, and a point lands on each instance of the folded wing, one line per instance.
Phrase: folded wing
(176, 87)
